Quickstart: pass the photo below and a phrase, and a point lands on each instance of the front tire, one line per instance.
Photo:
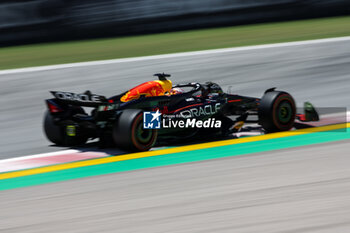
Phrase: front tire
(277, 111)
(128, 132)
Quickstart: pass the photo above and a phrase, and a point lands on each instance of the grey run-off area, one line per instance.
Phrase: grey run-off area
(319, 73)
(302, 190)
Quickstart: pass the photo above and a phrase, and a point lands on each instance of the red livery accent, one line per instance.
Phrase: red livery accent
(193, 105)
(53, 108)
(232, 101)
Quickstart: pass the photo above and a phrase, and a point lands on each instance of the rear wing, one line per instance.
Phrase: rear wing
(85, 99)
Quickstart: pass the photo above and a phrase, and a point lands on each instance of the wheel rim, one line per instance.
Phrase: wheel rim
(143, 136)
(284, 112)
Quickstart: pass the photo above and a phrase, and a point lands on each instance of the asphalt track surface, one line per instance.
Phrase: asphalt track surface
(319, 73)
(303, 189)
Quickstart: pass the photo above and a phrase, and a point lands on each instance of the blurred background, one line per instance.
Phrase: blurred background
(297, 189)
(28, 21)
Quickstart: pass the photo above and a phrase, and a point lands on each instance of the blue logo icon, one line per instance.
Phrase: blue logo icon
(151, 120)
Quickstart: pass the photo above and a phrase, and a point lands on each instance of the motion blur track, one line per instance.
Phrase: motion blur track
(316, 71)
(184, 154)
(299, 184)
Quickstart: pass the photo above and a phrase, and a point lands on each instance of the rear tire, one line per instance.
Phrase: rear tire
(52, 131)
(128, 132)
(56, 133)
(277, 111)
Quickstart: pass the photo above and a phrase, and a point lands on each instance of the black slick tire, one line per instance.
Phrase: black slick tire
(128, 132)
(277, 111)
(56, 132)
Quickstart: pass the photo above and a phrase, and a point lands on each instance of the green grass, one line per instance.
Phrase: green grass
(99, 49)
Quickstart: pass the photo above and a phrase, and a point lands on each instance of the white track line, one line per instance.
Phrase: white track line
(173, 55)
(62, 152)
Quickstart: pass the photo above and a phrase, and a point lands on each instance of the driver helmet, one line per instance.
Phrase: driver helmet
(176, 91)
(214, 88)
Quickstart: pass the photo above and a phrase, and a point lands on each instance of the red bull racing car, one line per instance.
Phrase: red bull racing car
(159, 111)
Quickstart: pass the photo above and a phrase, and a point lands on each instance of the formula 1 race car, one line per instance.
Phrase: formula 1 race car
(187, 111)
